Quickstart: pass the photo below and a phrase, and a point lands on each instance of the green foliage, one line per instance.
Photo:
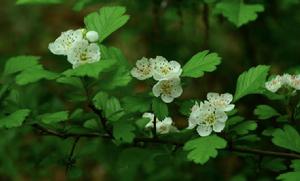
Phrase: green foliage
(244, 127)
(110, 105)
(291, 176)
(203, 148)
(237, 12)
(20, 2)
(287, 138)
(200, 63)
(265, 112)
(15, 119)
(20, 63)
(34, 74)
(50, 118)
(160, 109)
(91, 70)
(136, 104)
(123, 131)
(106, 20)
(251, 81)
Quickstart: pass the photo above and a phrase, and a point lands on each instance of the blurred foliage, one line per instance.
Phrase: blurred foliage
(176, 29)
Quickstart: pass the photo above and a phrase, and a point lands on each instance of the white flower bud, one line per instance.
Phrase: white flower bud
(92, 36)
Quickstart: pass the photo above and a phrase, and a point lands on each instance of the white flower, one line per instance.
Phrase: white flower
(221, 101)
(92, 36)
(168, 89)
(207, 119)
(162, 127)
(83, 52)
(66, 41)
(143, 69)
(295, 82)
(274, 84)
(162, 69)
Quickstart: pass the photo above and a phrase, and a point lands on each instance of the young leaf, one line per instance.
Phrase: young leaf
(251, 81)
(265, 112)
(50, 118)
(91, 70)
(136, 104)
(202, 148)
(20, 2)
(288, 138)
(200, 63)
(238, 12)
(159, 108)
(289, 176)
(244, 127)
(123, 131)
(34, 74)
(19, 63)
(14, 119)
(106, 20)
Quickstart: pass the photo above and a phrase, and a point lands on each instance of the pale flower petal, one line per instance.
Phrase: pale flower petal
(204, 130)
(219, 126)
(143, 69)
(168, 89)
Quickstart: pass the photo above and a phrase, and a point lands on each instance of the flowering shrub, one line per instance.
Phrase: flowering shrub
(102, 101)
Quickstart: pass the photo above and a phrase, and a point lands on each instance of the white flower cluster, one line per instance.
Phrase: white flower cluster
(211, 115)
(78, 45)
(162, 127)
(285, 80)
(167, 73)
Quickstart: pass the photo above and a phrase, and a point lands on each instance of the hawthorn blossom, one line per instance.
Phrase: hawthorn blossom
(92, 36)
(274, 84)
(221, 101)
(168, 89)
(163, 69)
(65, 42)
(207, 118)
(285, 80)
(295, 82)
(83, 52)
(143, 69)
(162, 127)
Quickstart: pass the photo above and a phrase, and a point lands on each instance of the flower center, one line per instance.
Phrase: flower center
(210, 119)
(165, 70)
(83, 56)
(166, 88)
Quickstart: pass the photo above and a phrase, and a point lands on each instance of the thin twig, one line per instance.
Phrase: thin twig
(154, 127)
(175, 143)
(102, 119)
(71, 160)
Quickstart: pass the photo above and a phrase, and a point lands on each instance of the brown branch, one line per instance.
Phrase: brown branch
(71, 161)
(170, 142)
(102, 119)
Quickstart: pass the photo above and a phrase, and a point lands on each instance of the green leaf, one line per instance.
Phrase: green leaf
(74, 81)
(295, 165)
(160, 109)
(200, 63)
(19, 63)
(186, 107)
(288, 138)
(289, 176)
(110, 105)
(106, 20)
(14, 119)
(50, 118)
(119, 78)
(123, 131)
(142, 122)
(251, 81)
(203, 148)
(244, 127)
(136, 104)
(274, 164)
(20, 2)
(237, 12)
(265, 112)
(91, 70)
(34, 74)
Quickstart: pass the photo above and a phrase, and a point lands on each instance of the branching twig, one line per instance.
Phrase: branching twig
(71, 160)
(170, 142)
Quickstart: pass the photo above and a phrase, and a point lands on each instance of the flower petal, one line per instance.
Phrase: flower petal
(218, 126)
(204, 130)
